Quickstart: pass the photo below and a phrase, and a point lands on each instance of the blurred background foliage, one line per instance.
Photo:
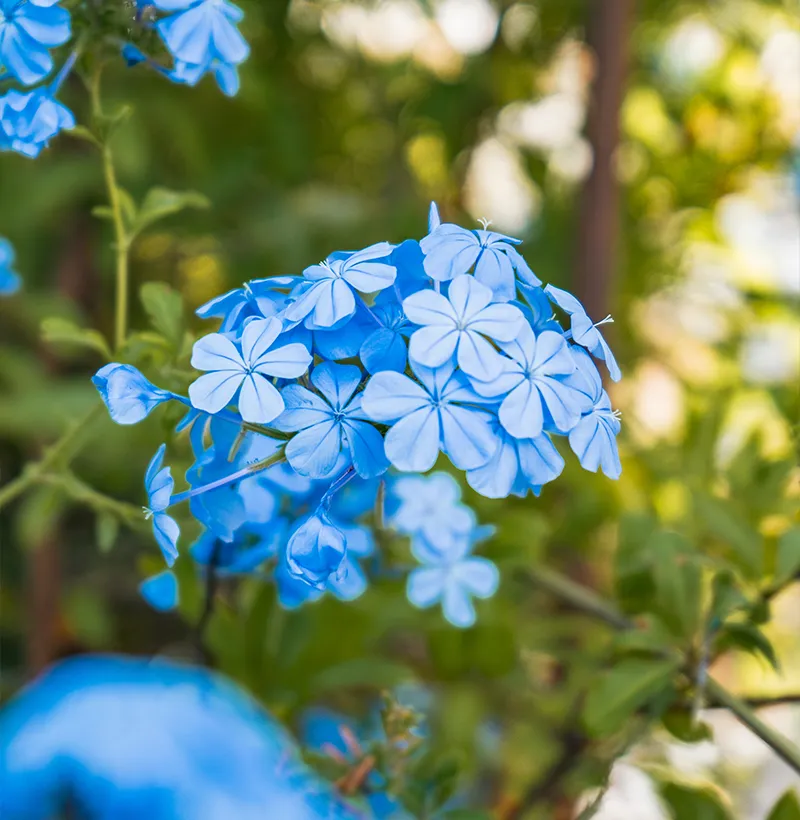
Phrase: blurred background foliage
(351, 117)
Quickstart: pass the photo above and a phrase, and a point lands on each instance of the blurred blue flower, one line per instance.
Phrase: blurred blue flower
(429, 506)
(195, 745)
(518, 465)
(28, 121)
(454, 327)
(452, 579)
(160, 591)
(432, 415)
(351, 581)
(316, 550)
(28, 29)
(202, 37)
(328, 294)
(594, 437)
(583, 331)
(532, 385)
(10, 281)
(231, 372)
(127, 394)
(159, 485)
(451, 251)
(385, 347)
(329, 422)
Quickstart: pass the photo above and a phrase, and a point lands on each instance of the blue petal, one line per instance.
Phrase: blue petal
(337, 382)
(366, 448)
(412, 445)
(166, 531)
(160, 591)
(314, 451)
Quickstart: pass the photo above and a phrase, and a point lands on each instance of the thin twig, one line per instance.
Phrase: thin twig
(208, 605)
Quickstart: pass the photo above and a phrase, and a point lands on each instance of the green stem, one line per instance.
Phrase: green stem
(121, 239)
(60, 452)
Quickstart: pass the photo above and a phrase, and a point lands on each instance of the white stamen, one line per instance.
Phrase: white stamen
(606, 321)
(485, 223)
(617, 414)
(148, 513)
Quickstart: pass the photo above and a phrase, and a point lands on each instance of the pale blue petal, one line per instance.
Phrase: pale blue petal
(214, 391)
(425, 586)
(166, 531)
(596, 446)
(287, 362)
(433, 345)
(449, 251)
(468, 298)
(500, 322)
(479, 576)
(563, 403)
(303, 409)
(384, 350)
(494, 270)
(390, 396)
(351, 583)
(154, 466)
(457, 605)
(314, 451)
(497, 478)
(412, 445)
(258, 337)
(521, 411)
(337, 382)
(160, 591)
(477, 358)
(539, 460)
(426, 307)
(216, 352)
(467, 436)
(525, 274)
(366, 448)
(552, 357)
(259, 401)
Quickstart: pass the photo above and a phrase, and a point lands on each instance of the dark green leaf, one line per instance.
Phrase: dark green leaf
(687, 803)
(623, 689)
(726, 596)
(164, 306)
(162, 202)
(679, 722)
(62, 331)
(678, 583)
(749, 638)
(723, 520)
(787, 808)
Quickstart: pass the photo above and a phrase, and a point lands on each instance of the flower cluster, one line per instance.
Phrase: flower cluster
(200, 35)
(319, 390)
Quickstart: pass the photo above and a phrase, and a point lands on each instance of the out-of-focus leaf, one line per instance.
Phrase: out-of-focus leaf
(633, 577)
(700, 803)
(680, 723)
(726, 595)
(723, 520)
(38, 515)
(88, 617)
(623, 689)
(164, 306)
(787, 559)
(162, 202)
(376, 672)
(749, 638)
(58, 331)
(678, 580)
(106, 531)
(787, 808)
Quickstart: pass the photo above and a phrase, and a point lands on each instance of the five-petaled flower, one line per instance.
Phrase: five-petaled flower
(455, 327)
(431, 414)
(327, 296)
(28, 121)
(231, 371)
(329, 422)
(28, 30)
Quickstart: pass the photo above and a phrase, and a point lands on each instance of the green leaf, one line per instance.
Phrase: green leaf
(787, 559)
(162, 202)
(164, 306)
(38, 515)
(694, 803)
(376, 672)
(128, 207)
(726, 597)
(724, 521)
(787, 808)
(106, 531)
(62, 331)
(678, 581)
(749, 638)
(680, 723)
(81, 132)
(624, 689)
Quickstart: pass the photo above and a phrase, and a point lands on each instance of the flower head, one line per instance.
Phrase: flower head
(328, 422)
(433, 414)
(28, 121)
(451, 251)
(231, 371)
(455, 327)
(9, 278)
(28, 30)
(452, 579)
(316, 550)
(127, 394)
(159, 485)
(328, 294)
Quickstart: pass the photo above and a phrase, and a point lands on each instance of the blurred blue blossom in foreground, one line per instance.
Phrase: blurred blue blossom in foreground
(10, 281)
(114, 738)
(368, 367)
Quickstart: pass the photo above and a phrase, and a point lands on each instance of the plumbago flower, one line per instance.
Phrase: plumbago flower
(28, 30)
(367, 368)
(10, 281)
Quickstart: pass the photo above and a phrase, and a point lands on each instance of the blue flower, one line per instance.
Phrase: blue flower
(451, 251)
(329, 422)
(29, 121)
(316, 550)
(9, 278)
(245, 373)
(202, 36)
(351, 581)
(127, 394)
(159, 485)
(385, 347)
(518, 465)
(583, 331)
(593, 439)
(455, 327)
(160, 591)
(28, 29)
(533, 385)
(408, 258)
(428, 506)
(452, 579)
(260, 298)
(328, 294)
(428, 416)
